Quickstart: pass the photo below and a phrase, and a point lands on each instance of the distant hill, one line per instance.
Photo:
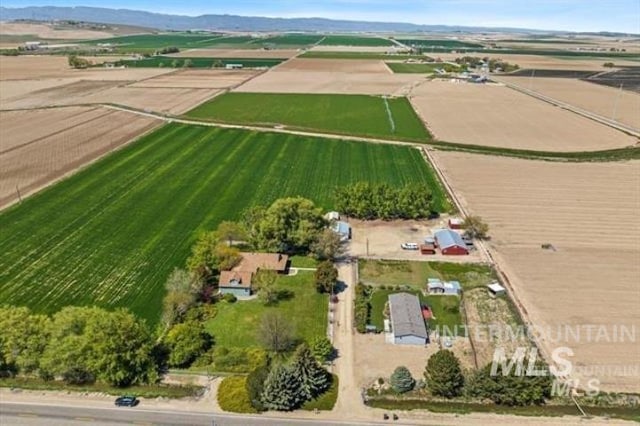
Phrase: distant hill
(226, 22)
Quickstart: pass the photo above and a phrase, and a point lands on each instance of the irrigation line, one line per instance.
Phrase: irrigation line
(391, 122)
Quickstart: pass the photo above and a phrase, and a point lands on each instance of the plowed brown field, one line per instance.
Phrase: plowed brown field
(494, 115)
(589, 213)
(38, 147)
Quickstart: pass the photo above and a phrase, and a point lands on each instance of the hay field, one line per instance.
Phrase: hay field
(327, 76)
(494, 115)
(40, 146)
(601, 100)
(237, 53)
(589, 212)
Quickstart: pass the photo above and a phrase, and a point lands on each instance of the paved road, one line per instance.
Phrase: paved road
(48, 414)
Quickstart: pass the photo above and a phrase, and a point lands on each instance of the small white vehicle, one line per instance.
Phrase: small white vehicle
(409, 246)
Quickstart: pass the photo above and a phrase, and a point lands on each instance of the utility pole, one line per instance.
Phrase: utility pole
(19, 195)
(533, 73)
(367, 247)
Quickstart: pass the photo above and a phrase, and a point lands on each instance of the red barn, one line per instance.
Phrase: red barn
(455, 223)
(450, 243)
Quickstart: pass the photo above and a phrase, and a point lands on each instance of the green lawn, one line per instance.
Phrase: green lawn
(408, 68)
(398, 272)
(359, 115)
(236, 324)
(111, 234)
(168, 62)
(351, 40)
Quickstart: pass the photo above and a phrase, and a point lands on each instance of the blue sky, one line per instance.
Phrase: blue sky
(575, 15)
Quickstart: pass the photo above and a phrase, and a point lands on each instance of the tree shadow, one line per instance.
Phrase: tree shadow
(283, 295)
(340, 287)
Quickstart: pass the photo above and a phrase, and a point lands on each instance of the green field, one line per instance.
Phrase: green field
(359, 115)
(168, 62)
(404, 68)
(235, 324)
(111, 233)
(358, 55)
(350, 40)
(158, 41)
(442, 43)
(293, 39)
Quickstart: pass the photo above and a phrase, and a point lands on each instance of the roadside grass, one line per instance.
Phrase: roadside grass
(233, 396)
(327, 400)
(414, 274)
(237, 324)
(619, 154)
(145, 391)
(459, 407)
(111, 234)
(446, 309)
(179, 62)
(356, 115)
(351, 40)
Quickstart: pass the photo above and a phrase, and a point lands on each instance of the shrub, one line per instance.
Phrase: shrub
(444, 375)
(233, 396)
(401, 380)
(255, 386)
(322, 349)
(186, 342)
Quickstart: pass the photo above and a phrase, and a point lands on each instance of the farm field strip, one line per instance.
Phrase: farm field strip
(236, 53)
(350, 40)
(496, 116)
(592, 276)
(66, 138)
(112, 233)
(198, 62)
(199, 79)
(348, 114)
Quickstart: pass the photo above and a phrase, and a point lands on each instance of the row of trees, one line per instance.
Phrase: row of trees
(77, 62)
(443, 376)
(78, 345)
(368, 201)
(285, 386)
(494, 64)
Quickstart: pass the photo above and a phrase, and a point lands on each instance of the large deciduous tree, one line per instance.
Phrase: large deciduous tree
(326, 276)
(475, 227)
(275, 332)
(23, 338)
(327, 245)
(186, 342)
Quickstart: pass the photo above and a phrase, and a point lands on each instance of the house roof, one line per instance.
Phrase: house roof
(239, 279)
(447, 238)
(249, 265)
(406, 315)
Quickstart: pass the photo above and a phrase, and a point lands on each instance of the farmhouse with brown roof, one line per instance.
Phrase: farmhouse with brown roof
(237, 281)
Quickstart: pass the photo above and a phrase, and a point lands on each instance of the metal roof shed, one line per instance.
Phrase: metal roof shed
(450, 242)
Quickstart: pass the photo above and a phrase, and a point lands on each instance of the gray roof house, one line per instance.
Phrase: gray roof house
(407, 323)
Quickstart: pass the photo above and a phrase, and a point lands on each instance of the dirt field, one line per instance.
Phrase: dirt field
(384, 239)
(49, 32)
(43, 67)
(494, 115)
(601, 100)
(237, 53)
(201, 79)
(343, 76)
(33, 156)
(589, 213)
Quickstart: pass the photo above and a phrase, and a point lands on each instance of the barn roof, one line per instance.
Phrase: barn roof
(447, 238)
(406, 315)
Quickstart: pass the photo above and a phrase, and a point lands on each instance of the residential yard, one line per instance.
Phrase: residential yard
(359, 115)
(111, 234)
(414, 274)
(236, 324)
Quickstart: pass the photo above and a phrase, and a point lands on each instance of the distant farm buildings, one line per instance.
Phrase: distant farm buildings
(238, 280)
(407, 321)
(234, 66)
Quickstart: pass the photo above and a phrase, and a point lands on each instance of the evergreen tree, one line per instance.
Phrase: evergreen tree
(444, 375)
(314, 379)
(282, 389)
(401, 380)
